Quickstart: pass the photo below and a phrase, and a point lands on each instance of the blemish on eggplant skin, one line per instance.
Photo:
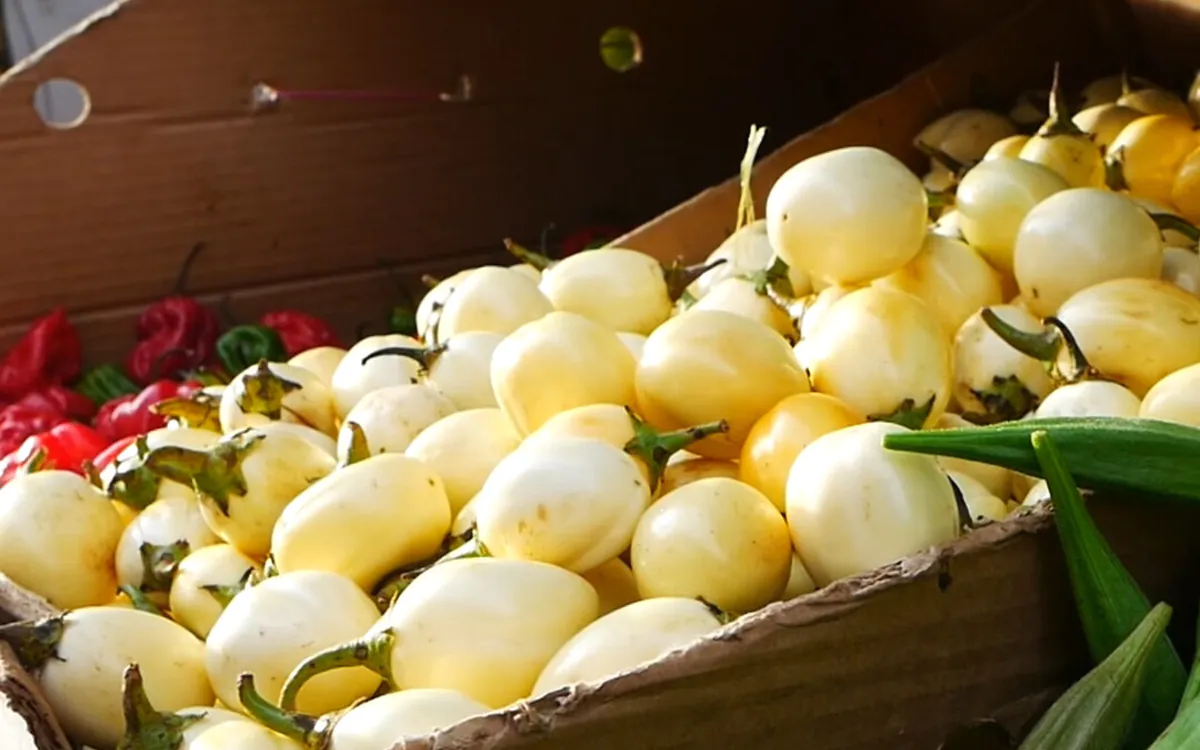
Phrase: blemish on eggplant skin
(944, 579)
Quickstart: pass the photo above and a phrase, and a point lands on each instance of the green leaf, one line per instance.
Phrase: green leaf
(1110, 603)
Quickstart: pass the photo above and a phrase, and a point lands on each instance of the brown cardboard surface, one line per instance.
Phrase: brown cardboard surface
(895, 659)
(172, 154)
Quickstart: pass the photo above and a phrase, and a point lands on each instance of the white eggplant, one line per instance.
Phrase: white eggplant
(484, 627)
(463, 449)
(364, 520)
(270, 391)
(245, 481)
(58, 537)
(271, 627)
(391, 417)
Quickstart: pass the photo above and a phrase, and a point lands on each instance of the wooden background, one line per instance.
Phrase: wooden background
(299, 207)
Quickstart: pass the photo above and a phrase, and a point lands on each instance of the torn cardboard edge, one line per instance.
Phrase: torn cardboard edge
(24, 708)
(540, 714)
(32, 59)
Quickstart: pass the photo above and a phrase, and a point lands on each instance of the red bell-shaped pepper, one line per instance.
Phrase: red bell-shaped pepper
(65, 447)
(131, 415)
(300, 331)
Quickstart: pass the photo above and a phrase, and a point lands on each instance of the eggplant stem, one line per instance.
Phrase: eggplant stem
(147, 728)
(359, 449)
(679, 277)
(1080, 368)
(373, 651)
(655, 448)
(1172, 222)
(423, 356)
(525, 255)
(159, 562)
(935, 154)
(305, 729)
(1043, 345)
(1059, 122)
(35, 642)
(1114, 170)
(264, 392)
(745, 209)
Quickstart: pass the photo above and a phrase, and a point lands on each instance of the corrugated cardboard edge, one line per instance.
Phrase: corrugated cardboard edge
(540, 715)
(73, 31)
(22, 702)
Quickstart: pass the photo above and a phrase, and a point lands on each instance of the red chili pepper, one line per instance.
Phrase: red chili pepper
(109, 454)
(18, 422)
(588, 238)
(131, 415)
(175, 335)
(57, 398)
(66, 446)
(300, 331)
(48, 354)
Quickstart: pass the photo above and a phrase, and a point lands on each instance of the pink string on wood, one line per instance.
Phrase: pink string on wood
(264, 95)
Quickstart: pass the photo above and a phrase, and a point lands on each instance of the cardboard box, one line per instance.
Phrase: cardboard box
(296, 206)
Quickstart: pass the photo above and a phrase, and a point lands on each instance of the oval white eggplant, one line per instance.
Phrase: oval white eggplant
(463, 449)
(58, 537)
(364, 520)
(391, 417)
(274, 625)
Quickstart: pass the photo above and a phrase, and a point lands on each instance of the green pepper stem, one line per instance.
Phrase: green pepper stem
(1059, 122)
(907, 414)
(263, 392)
(146, 728)
(159, 562)
(525, 255)
(655, 448)
(1172, 222)
(745, 209)
(425, 356)
(309, 731)
(679, 277)
(216, 474)
(35, 642)
(373, 651)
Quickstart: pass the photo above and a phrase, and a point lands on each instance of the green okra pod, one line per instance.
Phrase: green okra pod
(1097, 712)
(1137, 456)
(1184, 732)
(1109, 600)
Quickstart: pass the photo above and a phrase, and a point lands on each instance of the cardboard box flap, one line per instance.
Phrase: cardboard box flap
(172, 153)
